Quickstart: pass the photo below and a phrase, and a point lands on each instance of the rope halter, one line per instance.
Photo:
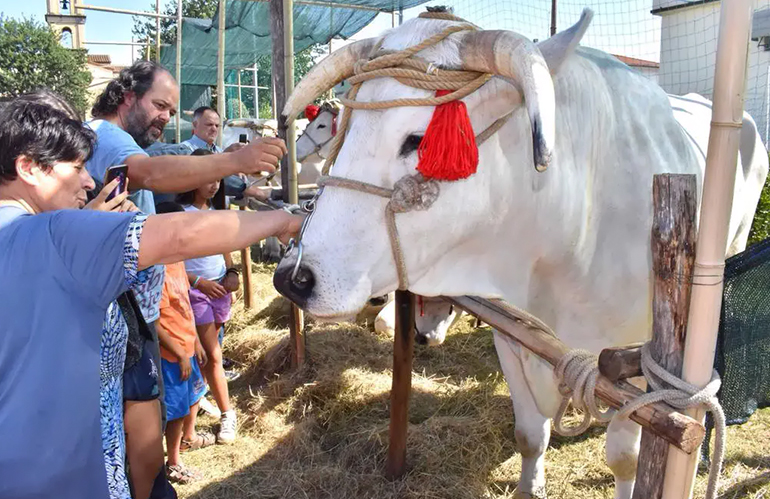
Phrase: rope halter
(412, 192)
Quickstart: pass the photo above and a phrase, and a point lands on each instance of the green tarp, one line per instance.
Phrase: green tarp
(247, 34)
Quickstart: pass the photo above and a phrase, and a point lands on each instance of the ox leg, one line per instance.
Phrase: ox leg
(622, 448)
(532, 431)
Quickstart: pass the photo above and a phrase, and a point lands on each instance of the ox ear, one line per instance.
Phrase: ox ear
(556, 49)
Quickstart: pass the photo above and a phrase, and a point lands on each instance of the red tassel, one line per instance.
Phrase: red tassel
(311, 112)
(448, 150)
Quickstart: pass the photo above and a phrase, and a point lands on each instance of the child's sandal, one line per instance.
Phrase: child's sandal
(181, 474)
(200, 441)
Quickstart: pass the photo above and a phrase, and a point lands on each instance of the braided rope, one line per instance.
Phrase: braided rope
(411, 71)
(578, 372)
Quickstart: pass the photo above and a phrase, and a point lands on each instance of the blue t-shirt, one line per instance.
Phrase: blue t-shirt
(113, 147)
(59, 272)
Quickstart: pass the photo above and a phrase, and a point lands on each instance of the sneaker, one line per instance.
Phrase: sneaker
(227, 428)
(208, 407)
(232, 375)
(228, 363)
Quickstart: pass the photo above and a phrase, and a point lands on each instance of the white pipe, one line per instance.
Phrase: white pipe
(221, 70)
(256, 91)
(131, 43)
(718, 186)
(124, 11)
(767, 107)
(178, 70)
(240, 95)
(157, 32)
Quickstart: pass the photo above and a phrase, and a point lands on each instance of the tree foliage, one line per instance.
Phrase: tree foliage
(31, 57)
(760, 228)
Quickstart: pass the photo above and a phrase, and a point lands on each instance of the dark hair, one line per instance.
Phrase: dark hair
(41, 133)
(138, 79)
(168, 207)
(199, 112)
(187, 198)
(50, 98)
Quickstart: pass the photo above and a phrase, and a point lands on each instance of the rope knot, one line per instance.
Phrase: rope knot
(413, 192)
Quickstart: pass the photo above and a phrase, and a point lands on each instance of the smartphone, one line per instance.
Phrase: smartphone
(243, 139)
(113, 172)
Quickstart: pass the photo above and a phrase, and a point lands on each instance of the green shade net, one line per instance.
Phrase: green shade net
(743, 346)
(247, 34)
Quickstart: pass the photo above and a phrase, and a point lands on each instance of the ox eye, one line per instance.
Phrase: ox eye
(321, 125)
(410, 145)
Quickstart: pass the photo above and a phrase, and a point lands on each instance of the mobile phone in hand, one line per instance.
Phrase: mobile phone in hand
(243, 139)
(113, 172)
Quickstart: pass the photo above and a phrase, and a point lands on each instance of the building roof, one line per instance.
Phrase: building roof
(680, 4)
(760, 24)
(637, 63)
(99, 59)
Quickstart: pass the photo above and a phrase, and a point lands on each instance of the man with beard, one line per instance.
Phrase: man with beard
(129, 116)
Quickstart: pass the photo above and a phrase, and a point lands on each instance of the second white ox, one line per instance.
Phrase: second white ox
(571, 245)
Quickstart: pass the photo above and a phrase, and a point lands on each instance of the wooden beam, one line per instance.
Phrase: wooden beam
(279, 80)
(281, 35)
(618, 363)
(178, 69)
(248, 291)
(221, 92)
(681, 431)
(403, 351)
(673, 259)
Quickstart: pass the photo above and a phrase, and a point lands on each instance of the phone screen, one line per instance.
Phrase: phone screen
(243, 139)
(113, 172)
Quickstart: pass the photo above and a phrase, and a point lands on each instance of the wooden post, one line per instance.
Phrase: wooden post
(616, 363)
(248, 292)
(178, 69)
(279, 80)
(283, 82)
(157, 32)
(673, 258)
(221, 92)
(553, 17)
(403, 349)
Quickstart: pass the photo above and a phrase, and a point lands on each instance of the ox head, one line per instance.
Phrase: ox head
(315, 142)
(346, 250)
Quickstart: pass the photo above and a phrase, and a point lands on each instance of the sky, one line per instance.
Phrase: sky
(622, 27)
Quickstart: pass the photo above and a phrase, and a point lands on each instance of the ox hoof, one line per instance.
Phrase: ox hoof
(538, 493)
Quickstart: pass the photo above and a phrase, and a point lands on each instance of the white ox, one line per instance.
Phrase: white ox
(571, 245)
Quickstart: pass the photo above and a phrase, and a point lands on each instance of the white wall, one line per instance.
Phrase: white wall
(688, 46)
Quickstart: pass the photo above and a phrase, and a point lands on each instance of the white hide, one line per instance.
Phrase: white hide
(433, 318)
(571, 245)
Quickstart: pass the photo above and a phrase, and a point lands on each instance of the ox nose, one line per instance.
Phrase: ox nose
(297, 290)
(420, 338)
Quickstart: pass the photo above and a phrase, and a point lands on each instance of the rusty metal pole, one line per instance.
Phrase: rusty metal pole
(403, 351)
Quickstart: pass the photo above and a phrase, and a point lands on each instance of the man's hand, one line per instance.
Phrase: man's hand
(211, 289)
(258, 193)
(185, 368)
(290, 228)
(235, 146)
(231, 282)
(262, 155)
(200, 353)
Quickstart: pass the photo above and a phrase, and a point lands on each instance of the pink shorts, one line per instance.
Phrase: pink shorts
(207, 310)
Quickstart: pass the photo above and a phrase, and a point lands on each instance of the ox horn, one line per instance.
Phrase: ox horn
(331, 70)
(516, 58)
